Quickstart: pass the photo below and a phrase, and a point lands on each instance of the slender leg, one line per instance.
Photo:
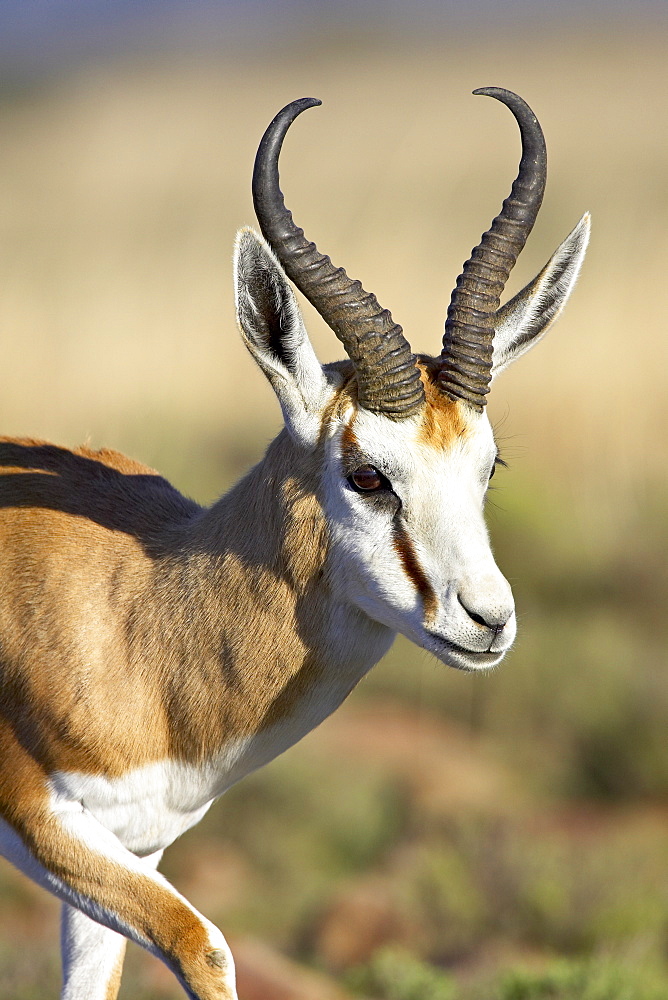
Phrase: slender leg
(92, 954)
(92, 957)
(63, 848)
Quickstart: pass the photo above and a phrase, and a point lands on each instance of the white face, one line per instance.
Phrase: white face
(410, 546)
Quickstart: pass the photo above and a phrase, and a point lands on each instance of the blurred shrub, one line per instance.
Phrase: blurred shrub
(537, 884)
(443, 901)
(586, 980)
(396, 974)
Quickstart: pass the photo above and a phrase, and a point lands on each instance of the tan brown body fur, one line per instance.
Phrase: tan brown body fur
(131, 585)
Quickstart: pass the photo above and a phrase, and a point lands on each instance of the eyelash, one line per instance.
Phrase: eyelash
(497, 461)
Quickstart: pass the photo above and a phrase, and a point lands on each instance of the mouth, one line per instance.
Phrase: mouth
(462, 658)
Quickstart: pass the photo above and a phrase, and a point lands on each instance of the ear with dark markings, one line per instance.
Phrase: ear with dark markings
(522, 321)
(273, 330)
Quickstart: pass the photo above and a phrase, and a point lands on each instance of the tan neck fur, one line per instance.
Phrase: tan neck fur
(250, 569)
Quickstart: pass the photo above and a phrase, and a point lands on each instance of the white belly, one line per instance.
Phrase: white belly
(147, 809)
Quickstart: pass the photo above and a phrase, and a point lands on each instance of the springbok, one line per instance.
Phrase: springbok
(153, 652)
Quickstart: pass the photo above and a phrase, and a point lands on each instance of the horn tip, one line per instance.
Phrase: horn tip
(309, 102)
(498, 92)
(294, 109)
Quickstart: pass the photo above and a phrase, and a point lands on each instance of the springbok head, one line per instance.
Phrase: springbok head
(404, 444)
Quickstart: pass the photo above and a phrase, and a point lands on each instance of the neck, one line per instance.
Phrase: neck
(259, 629)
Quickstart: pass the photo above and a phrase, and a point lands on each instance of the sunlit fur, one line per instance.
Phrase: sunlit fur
(153, 652)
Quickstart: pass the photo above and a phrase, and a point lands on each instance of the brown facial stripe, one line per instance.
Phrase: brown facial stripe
(409, 560)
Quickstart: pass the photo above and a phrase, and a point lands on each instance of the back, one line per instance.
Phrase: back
(103, 487)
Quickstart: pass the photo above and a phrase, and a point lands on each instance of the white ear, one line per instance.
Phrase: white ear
(523, 320)
(273, 331)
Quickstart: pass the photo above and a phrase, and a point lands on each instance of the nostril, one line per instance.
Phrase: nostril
(494, 625)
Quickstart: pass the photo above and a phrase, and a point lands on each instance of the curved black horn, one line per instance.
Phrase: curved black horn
(466, 357)
(388, 378)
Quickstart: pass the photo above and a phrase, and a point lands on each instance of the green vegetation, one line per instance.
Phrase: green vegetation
(584, 980)
(393, 974)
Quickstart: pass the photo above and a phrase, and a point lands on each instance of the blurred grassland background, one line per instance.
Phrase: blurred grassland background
(442, 836)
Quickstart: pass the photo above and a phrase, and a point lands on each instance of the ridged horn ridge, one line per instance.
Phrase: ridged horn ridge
(466, 358)
(387, 375)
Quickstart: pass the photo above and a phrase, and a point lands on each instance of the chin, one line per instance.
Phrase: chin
(462, 659)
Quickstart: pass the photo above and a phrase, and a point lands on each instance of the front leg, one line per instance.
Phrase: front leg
(62, 847)
(92, 955)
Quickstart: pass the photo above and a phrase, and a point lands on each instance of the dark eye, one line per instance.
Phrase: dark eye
(493, 470)
(366, 479)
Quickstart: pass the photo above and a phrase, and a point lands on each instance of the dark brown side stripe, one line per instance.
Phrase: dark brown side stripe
(409, 560)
